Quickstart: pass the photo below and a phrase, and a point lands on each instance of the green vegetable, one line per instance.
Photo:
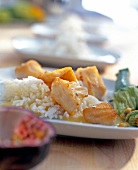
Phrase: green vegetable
(132, 118)
(5, 16)
(21, 10)
(125, 102)
(122, 79)
(124, 98)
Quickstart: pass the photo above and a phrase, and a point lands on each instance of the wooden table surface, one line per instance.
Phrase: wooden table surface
(67, 153)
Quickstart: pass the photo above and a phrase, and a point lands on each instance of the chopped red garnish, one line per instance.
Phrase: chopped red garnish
(29, 129)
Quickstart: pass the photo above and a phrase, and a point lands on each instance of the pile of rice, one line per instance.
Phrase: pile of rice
(70, 36)
(32, 93)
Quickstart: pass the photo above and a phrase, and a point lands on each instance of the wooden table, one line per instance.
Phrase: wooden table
(67, 153)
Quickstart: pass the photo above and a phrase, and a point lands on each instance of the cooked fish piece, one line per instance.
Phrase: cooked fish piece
(29, 68)
(65, 73)
(91, 79)
(101, 113)
(68, 95)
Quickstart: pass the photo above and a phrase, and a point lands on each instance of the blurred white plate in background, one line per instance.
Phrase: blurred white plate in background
(45, 51)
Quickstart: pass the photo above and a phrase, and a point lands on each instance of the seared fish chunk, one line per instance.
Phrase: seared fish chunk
(65, 73)
(91, 79)
(101, 113)
(68, 95)
(29, 68)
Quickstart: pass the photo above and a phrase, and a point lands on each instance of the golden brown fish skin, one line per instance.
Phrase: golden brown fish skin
(65, 73)
(91, 79)
(102, 113)
(29, 68)
(66, 96)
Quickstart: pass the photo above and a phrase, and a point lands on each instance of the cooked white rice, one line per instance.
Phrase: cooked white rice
(34, 94)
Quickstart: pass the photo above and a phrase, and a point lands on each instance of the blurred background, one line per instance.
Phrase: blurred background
(78, 33)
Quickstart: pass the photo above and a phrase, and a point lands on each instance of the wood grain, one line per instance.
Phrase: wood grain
(79, 153)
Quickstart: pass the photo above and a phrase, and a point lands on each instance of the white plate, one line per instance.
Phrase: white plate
(34, 48)
(82, 129)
